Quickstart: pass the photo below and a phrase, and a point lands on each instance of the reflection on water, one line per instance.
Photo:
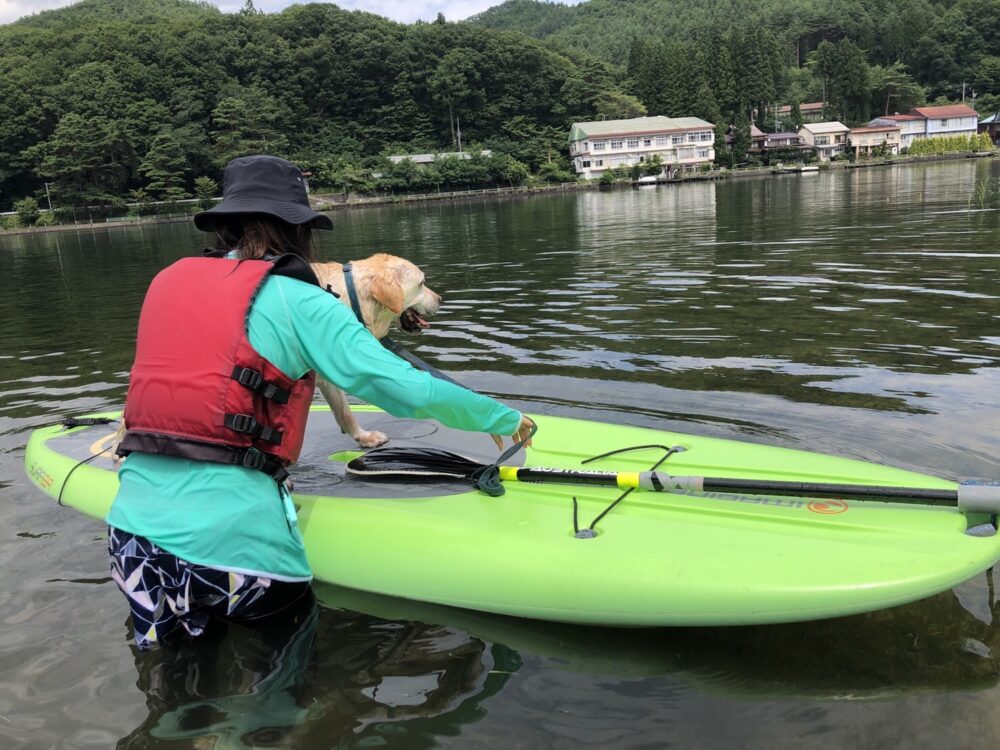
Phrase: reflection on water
(273, 686)
(851, 312)
(939, 644)
(361, 668)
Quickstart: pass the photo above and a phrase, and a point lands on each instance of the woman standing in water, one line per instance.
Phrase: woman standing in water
(227, 353)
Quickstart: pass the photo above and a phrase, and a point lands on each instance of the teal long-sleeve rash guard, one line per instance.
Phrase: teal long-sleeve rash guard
(230, 517)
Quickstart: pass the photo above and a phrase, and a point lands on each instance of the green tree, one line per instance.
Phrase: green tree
(796, 117)
(89, 161)
(165, 168)
(455, 84)
(845, 71)
(986, 76)
(556, 170)
(617, 105)
(512, 171)
(241, 128)
(705, 104)
(350, 178)
(205, 190)
(23, 120)
(741, 137)
(757, 54)
(27, 212)
(722, 155)
(718, 61)
(892, 88)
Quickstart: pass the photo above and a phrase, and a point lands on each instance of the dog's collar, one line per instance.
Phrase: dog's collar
(352, 293)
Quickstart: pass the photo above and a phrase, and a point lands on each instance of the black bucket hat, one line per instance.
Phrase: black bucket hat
(263, 185)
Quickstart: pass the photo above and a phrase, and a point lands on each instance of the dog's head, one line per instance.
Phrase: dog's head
(398, 286)
(390, 290)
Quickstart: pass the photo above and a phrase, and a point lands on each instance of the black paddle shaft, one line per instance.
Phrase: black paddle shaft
(574, 476)
(818, 489)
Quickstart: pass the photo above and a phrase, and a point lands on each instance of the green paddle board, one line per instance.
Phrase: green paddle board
(657, 558)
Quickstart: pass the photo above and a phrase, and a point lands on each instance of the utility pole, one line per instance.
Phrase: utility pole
(963, 91)
(458, 130)
(47, 196)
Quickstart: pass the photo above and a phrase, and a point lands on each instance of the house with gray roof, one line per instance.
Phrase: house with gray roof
(991, 126)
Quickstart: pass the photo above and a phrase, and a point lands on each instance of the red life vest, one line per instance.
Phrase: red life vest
(198, 389)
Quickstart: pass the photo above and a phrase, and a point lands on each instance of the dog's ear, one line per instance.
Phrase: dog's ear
(388, 293)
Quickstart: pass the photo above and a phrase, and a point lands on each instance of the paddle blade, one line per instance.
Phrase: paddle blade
(413, 462)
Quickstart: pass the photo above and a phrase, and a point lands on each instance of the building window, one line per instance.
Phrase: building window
(944, 123)
(598, 162)
(633, 143)
(692, 137)
(600, 145)
(647, 142)
(822, 140)
(616, 144)
(707, 136)
(585, 165)
(662, 140)
(675, 139)
(702, 153)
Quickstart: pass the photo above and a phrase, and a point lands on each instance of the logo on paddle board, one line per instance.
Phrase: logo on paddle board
(41, 477)
(827, 507)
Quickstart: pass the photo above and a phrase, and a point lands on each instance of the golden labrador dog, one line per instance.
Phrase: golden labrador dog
(390, 290)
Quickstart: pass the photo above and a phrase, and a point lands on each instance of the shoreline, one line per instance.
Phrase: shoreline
(330, 202)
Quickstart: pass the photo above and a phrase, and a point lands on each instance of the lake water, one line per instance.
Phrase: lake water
(854, 312)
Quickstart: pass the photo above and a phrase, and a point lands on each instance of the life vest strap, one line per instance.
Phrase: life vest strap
(254, 459)
(254, 380)
(247, 425)
(196, 450)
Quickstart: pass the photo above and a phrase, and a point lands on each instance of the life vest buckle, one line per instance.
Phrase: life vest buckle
(244, 423)
(254, 381)
(253, 459)
(249, 378)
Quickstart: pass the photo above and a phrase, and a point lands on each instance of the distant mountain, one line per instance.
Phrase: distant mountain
(88, 12)
(109, 99)
(896, 51)
(945, 39)
(531, 17)
(606, 28)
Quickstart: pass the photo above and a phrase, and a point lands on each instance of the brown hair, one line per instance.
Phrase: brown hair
(254, 235)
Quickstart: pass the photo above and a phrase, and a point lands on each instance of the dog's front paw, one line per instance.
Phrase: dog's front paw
(371, 439)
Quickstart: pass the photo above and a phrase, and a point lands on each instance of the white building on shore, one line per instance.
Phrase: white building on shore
(911, 127)
(874, 138)
(932, 122)
(680, 142)
(828, 138)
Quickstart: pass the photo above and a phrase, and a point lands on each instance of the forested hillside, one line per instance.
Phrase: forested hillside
(942, 43)
(862, 56)
(111, 98)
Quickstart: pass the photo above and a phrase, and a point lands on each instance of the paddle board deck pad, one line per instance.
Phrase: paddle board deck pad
(657, 558)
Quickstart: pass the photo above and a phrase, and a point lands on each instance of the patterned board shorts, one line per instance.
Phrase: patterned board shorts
(165, 592)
